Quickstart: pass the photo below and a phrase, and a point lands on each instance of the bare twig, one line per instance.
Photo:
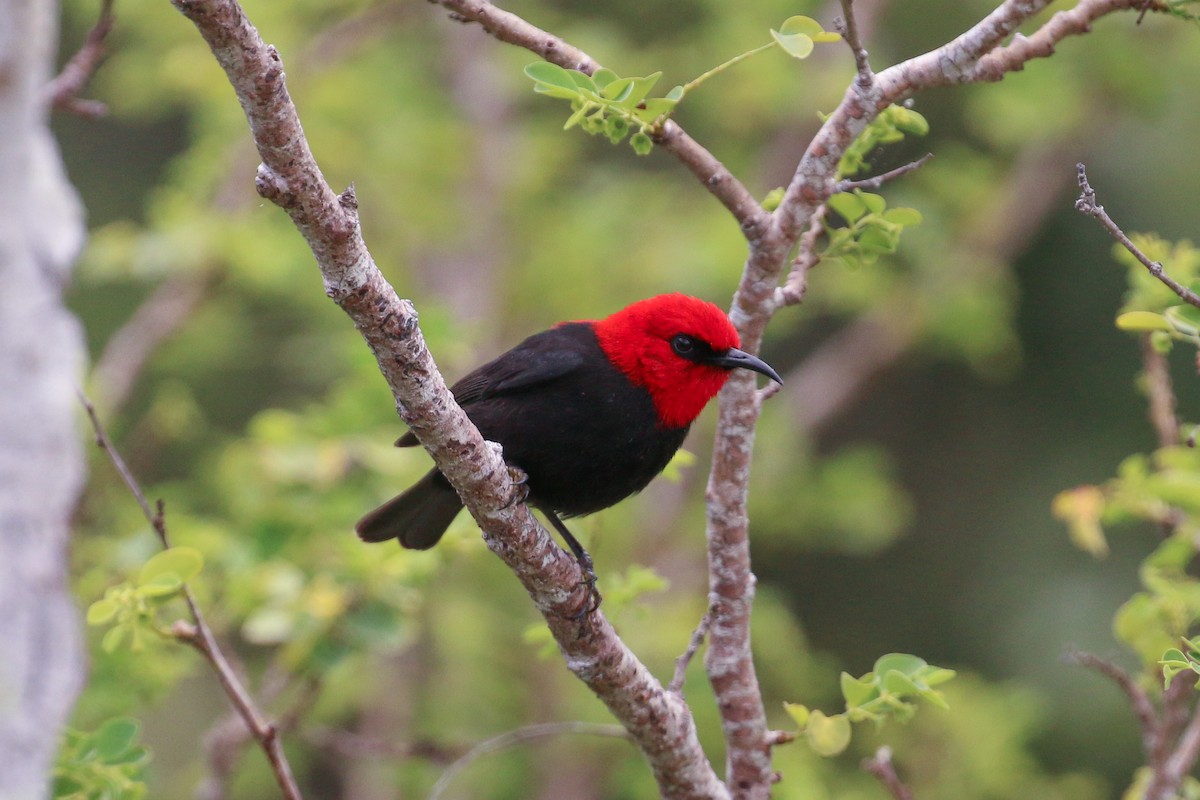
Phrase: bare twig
(62, 92)
(1087, 205)
(1139, 701)
(880, 765)
(879, 180)
(681, 663)
(792, 292)
(349, 744)
(849, 31)
(198, 634)
(521, 736)
(1160, 395)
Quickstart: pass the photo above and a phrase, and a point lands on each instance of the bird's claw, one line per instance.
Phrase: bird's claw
(588, 569)
(520, 482)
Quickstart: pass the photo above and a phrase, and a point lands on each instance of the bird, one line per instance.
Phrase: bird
(590, 411)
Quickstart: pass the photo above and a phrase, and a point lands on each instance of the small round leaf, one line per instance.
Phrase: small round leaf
(185, 562)
(828, 736)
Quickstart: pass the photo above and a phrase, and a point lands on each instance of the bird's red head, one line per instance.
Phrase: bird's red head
(679, 348)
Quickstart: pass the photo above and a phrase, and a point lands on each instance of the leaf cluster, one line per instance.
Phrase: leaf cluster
(105, 764)
(872, 229)
(887, 691)
(1160, 489)
(132, 607)
(891, 126)
(1150, 306)
(605, 103)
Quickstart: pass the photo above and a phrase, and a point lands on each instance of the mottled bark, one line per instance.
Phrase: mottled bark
(41, 460)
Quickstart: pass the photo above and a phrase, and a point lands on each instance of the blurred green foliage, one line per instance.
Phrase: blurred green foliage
(264, 425)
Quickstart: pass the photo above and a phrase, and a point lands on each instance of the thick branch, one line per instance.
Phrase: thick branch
(659, 721)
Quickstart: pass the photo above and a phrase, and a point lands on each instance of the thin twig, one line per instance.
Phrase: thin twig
(1160, 395)
(880, 765)
(681, 663)
(807, 257)
(1087, 204)
(198, 634)
(1139, 701)
(520, 736)
(849, 31)
(62, 92)
(879, 180)
(349, 744)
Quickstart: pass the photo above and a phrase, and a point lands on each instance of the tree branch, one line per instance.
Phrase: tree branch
(660, 722)
(1087, 204)
(62, 92)
(198, 634)
(712, 174)
(880, 765)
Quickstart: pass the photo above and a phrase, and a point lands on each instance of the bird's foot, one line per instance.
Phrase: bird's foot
(588, 569)
(520, 482)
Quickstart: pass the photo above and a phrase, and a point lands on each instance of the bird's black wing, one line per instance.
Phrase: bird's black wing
(531, 363)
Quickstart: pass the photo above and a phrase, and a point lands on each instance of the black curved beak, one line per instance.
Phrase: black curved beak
(739, 359)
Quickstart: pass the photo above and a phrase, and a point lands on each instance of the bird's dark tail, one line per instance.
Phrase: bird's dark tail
(418, 517)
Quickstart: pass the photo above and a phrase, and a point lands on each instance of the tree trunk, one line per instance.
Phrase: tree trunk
(41, 460)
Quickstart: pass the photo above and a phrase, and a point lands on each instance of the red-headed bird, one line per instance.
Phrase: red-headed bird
(589, 411)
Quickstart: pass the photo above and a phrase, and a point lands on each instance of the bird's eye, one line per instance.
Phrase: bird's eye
(683, 344)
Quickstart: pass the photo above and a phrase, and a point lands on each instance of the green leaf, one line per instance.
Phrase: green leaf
(101, 612)
(162, 585)
(935, 697)
(114, 738)
(858, 691)
(904, 217)
(936, 676)
(575, 118)
(603, 77)
(185, 562)
(618, 89)
(878, 240)
(654, 108)
(113, 638)
(848, 206)
(631, 90)
(798, 712)
(909, 121)
(801, 24)
(583, 81)
(828, 736)
(552, 80)
(874, 202)
(551, 75)
(900, 662)
(1142, 321)
(899, 683)
(796, 45)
